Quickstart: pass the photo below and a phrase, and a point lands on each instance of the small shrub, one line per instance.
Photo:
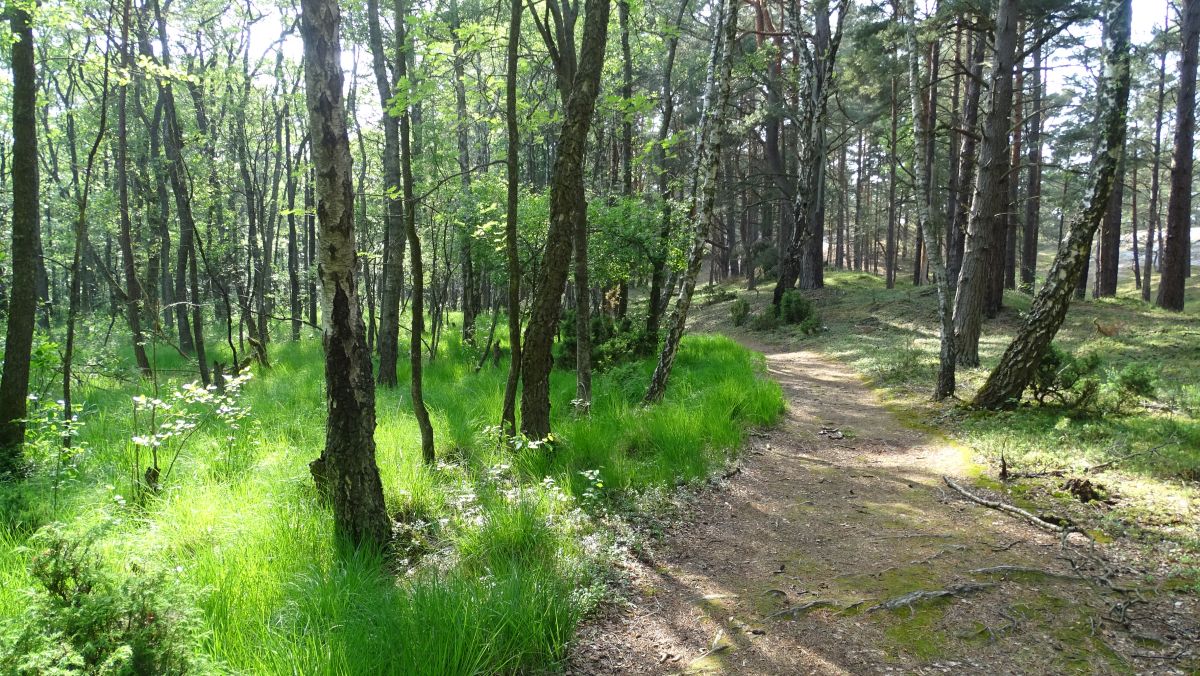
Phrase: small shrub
(810, 325)
(84, 619)
(1136, 380)
(764, 321)
(794, 308)
(1065, 379)
(717, 294)
(739, 311)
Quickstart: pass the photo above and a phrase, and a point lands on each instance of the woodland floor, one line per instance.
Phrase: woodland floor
(777, 569)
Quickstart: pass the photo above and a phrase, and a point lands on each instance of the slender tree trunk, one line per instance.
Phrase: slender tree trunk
(658, 262)
(512, 164)
(393, 256)
(133, 288)
(470, 292)
(177, 171)
(1033, 197)
(1155, 226)
(416, 264)
(579, 91)
(1177, 250)
(889, 267)
(26, 236)
(346, 471)
(708, 158)
(929, 218)
(1008, 380)
(1110, 236)
(1013, 212)
(990, 199)
(960, 209)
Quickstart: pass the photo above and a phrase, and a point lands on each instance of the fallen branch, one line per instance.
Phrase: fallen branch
(923, 595)
(1006, 508)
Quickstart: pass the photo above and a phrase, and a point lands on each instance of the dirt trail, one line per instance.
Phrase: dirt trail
(830, 523)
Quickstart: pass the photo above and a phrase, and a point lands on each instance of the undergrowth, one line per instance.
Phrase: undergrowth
(233, 559)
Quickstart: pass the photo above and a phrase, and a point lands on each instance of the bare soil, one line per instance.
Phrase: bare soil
(841, 508)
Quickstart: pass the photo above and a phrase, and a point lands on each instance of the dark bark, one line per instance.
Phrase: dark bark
(191, 336)
(133, 288)
(346, 471)
(1110, 237)
(512, 166)
(26, 236)
(889, 267)
(989, 203)
(960, 207)
(929, 217)
(579, 87)
(393, 255)
(1033, 191)
(1177, 248)
(1155, 226)
(1008, 380)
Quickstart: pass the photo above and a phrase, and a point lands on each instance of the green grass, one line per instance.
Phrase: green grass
(502, 551)
(890, 337)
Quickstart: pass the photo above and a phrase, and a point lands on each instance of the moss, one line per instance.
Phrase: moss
(917, 632)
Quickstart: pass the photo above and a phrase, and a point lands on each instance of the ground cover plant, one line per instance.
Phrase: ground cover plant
(500, 550)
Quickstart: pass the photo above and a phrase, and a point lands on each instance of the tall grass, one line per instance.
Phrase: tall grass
(500, 556)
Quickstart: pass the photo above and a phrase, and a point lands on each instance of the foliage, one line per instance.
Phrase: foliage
(1064, 378)
(739, 311)
(764, 320)
(83, 617)
(499, 552)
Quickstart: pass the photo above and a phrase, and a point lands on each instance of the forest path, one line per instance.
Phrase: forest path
(830, 523)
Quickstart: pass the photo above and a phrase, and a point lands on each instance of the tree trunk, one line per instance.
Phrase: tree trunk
(708, 158)
(1177, 250)
(133, 288)
(189, 342)
(393, 257)
(346, 471)
(416, 264)
(658, 256)
(1033, 197)
(1008, 380)
(512, 165)
(578, 87)
(960, 208)
(1155, 226)
(26, 237)
(889, 264)
(929, 218)
(1110, 236)
(990, 199)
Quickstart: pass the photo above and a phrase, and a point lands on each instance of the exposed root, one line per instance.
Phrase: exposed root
(1025, 570)
(924, 595)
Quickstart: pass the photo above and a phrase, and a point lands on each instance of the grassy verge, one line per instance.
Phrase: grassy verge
(1152, 441)
(503, 550)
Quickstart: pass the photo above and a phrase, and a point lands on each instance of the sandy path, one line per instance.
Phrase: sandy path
(816, 518)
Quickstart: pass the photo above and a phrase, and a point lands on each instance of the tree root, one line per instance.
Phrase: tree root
(1008, 509)
(924, 595)
(1026, 570)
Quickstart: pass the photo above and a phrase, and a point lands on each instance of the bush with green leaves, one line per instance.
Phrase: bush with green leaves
(795, 308)
(739, 311)
(1065, 379)
(84, 618)
(764, 321)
